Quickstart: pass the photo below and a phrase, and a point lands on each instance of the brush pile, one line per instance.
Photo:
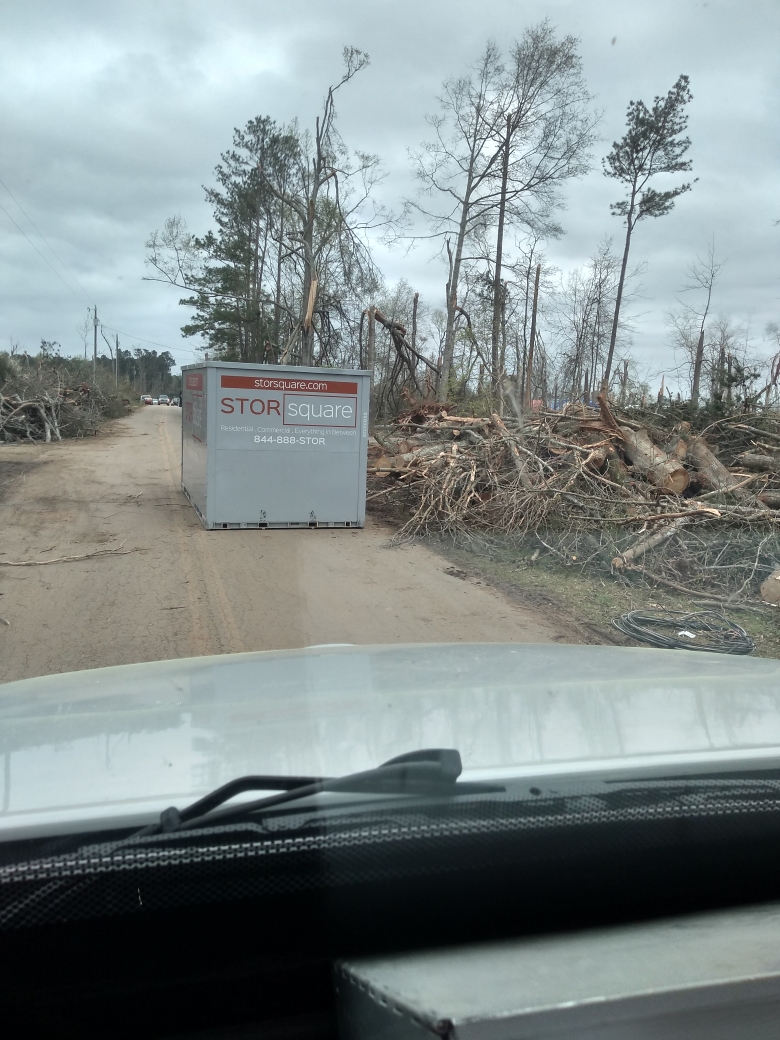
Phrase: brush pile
(34, 410)
(600, 485)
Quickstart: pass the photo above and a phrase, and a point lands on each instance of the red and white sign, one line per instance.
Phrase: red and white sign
(301, 386)
(193, 381)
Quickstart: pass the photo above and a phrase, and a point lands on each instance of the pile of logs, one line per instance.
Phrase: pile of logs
(577, 470)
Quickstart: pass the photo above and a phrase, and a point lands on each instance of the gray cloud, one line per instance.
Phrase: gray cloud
(114, 116)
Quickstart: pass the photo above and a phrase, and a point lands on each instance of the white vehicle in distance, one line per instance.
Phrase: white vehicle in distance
(164, 399)
(155, 400)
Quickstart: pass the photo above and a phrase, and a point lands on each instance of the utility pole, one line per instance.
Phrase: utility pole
(94, 349)
(114, 357)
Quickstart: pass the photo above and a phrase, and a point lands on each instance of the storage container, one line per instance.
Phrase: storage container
(274, 445)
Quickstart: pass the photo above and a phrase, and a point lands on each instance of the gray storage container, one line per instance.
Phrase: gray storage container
(274, 445)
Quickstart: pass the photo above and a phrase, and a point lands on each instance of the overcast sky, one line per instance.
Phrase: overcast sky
(114, 115)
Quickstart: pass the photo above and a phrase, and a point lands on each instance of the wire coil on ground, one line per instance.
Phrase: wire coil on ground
(679, 630)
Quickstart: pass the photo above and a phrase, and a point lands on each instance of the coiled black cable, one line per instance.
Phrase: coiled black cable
(678, 630)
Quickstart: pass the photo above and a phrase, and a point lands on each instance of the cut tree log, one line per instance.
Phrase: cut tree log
(654, 464)
(770, 498)
(711, 471)
(646, 458)
(596, 458)
(400, 463)
(618, 470)
(770, 588)
(677, 446)
(644, 545)
(763, 463)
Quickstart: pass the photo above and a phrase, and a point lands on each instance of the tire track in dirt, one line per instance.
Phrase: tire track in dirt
(227, 636)
(203, 641)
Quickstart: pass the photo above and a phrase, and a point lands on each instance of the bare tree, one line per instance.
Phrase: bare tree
(457, 169)
(544, 140)
(520, 292)
(583, 308)
(84, 329)
(702, 275)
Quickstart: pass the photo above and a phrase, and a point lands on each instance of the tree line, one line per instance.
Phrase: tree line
(137, 369)
(287, 274)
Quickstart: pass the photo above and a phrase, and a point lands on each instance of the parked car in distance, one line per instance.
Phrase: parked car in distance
(155, 400)
(176, 402)
(164, 399)
(146, 398)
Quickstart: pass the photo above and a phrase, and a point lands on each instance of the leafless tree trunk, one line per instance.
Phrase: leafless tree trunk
(371, 347)
(497, 285)
(530, 366)
(702, 276)
(414, 321)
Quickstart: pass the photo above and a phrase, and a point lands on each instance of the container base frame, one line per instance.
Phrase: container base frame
(275, 526)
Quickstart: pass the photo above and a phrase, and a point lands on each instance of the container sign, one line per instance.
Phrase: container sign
(306, 386)
(318, 410)
(287, 414)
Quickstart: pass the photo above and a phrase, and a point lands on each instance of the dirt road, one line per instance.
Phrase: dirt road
(193, 592)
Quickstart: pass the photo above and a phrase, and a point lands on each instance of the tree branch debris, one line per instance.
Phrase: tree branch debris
(604, 487)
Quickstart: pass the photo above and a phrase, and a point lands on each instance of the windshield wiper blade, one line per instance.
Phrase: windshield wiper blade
(432, 771)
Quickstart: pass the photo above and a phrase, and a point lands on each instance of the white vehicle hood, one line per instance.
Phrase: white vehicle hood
(114, 746)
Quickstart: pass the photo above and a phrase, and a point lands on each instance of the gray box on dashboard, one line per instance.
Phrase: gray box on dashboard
(274, 445)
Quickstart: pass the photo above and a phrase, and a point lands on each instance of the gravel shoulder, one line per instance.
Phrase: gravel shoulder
(190, 592)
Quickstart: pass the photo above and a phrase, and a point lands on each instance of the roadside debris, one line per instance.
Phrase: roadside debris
(99, 553)
(623, 489)
(32, 410)
(679, 630)
(770, 588)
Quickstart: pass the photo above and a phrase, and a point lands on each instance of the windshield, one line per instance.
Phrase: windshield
(531, 312)
(375, 383)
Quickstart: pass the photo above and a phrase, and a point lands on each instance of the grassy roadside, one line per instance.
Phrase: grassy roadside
(592, 600)
(581, 596)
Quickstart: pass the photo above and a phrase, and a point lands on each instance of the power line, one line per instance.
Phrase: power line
(152, 342)
(70, 289)
(51, 247)
(40, 254)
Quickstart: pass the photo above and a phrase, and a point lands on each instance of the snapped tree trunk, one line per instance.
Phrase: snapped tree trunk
(697, 369)
(530, 366)
(371, 348)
